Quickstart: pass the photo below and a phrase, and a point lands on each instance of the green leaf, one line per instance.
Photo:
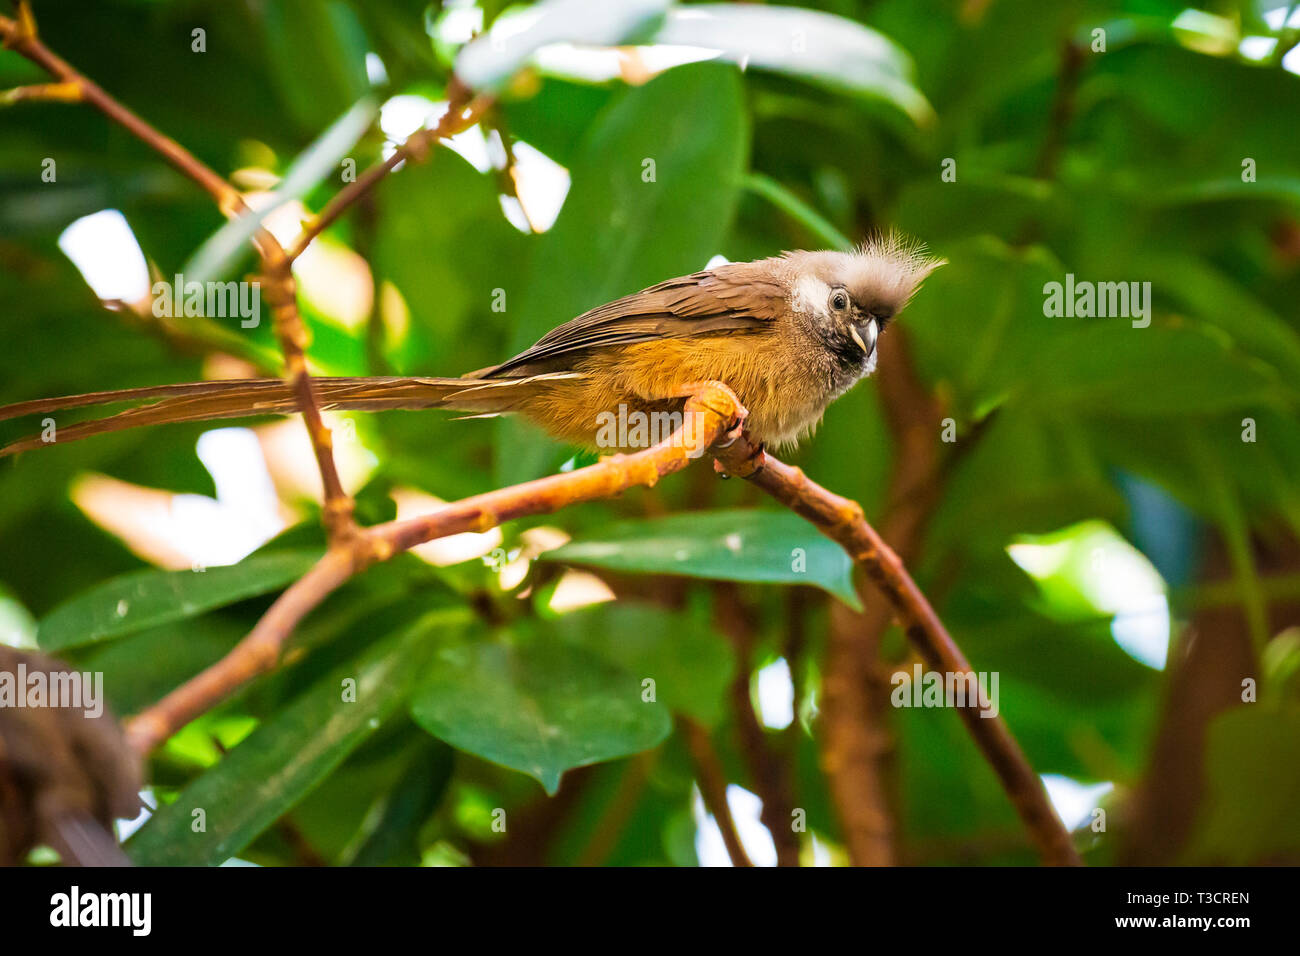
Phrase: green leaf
(219, 252)
(391, 831)
(443, 244)
(556, 118)
(1244, 821)
(797, 209)
(690, 663)
(1094, 367)
(1230, 189)
(285, 757)
(821, 47)
(317, 52)
(1026, 473)
(625, 230)
(737, 545)
(1230, 306)
(142, 668)
(540, 709)
(493, 58)
(619, 232)
(143, 599)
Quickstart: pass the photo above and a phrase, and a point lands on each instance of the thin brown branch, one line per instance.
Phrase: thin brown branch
(713, 788)
(462, 113)
(508, 175)
(609, 829)
(769, 770)
(710, 413)
(278, 285)
(291, 332)
(842, 520)
(707, 416)
(20, 36)
(854, 741)
(1063, 106)
(47, 92)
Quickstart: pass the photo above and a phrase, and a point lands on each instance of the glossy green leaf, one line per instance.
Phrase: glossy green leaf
(690, 663)
(743, 545)
(820, 47)
(140, 669)
(391, 830)
(443, 246)
(145, 599)
(1230, 307)
(540, 709)
(490, 60)
(1093, 366)
(285, 757)
(653, 190)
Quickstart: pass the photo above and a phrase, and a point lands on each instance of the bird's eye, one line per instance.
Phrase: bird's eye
(839, 300)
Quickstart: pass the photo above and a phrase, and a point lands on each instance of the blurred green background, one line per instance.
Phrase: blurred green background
(1105, 515)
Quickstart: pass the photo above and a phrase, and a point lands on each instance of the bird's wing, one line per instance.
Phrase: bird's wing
(735, 298)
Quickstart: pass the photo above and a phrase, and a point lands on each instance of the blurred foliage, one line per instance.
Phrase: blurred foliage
(1122, 165)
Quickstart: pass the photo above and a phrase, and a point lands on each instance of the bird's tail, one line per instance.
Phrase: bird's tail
(242, 398)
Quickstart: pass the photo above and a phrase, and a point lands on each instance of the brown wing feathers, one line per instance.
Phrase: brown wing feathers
(735, 298)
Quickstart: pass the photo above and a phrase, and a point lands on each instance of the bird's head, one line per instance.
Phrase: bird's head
(849, 298)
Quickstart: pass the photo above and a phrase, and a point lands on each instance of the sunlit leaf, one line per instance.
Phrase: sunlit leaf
(216, 256)
(826, 49)
(490, 60)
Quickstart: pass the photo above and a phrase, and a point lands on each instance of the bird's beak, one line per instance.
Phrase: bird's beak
(865, 336)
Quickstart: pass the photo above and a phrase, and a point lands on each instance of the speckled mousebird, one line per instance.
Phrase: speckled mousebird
(788, 334)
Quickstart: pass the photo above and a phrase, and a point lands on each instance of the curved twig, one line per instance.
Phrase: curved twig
(842, 520)
(707, 416)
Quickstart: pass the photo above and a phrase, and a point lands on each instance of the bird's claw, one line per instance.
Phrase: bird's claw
(732, 435)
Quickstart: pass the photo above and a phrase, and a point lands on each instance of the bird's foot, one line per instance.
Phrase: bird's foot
(717, 397)
(752, 462)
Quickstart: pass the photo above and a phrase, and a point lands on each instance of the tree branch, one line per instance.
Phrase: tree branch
(855, 743)
(20, 36)
(713, 788)
(842, 520)
(278, 285)
(707, 415)
(353, 549)
(710, 413)
(769, 771)
(49, 92)
(462, 113)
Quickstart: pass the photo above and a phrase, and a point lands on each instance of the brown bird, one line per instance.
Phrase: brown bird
(788, 334)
